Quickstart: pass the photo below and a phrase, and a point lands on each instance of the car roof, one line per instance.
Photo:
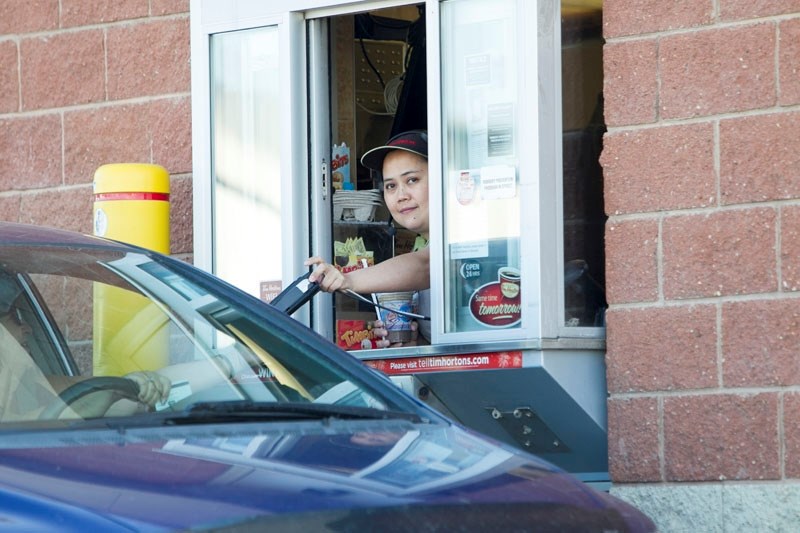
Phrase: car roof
(12, 233)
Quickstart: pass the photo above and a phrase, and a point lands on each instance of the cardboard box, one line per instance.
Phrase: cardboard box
(354, 331)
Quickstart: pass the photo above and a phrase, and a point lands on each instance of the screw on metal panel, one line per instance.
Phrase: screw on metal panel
(497, 415)
(517, 413)
(527, 430)
(423, 393)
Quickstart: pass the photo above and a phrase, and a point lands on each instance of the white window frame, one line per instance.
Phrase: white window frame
(540, 173)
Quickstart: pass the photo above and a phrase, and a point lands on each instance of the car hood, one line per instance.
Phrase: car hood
(337, 476)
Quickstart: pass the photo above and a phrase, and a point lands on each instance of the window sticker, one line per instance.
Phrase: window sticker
(465, 187)
(477, 69)
(500, 122)
(469, 250)
(497, 304)
(498, 182)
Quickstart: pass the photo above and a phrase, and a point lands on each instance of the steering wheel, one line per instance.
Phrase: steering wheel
(127, 388)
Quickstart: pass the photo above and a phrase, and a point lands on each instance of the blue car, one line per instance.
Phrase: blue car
(138, 393)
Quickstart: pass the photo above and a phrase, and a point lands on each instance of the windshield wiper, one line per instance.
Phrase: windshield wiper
(246, 409)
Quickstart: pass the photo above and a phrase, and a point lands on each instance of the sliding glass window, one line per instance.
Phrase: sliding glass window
(246, 147)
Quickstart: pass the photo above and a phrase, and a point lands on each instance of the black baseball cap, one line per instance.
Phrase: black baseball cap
(415, 141)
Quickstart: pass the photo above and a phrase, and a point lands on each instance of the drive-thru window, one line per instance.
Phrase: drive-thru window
(287, 96)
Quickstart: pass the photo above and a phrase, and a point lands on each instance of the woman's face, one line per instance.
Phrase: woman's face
(405, 190)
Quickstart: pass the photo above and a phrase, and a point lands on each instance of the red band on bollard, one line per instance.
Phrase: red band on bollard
(109, 196)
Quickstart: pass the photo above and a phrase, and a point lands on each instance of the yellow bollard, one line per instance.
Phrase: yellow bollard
(131, 204)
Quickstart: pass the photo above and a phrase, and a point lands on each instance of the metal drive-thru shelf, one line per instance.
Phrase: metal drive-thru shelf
(551, 403)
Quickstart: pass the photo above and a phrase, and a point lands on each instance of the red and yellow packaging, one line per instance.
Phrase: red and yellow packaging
(355, 333)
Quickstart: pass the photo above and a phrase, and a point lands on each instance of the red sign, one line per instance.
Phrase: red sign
(442, 363)
(491, 307)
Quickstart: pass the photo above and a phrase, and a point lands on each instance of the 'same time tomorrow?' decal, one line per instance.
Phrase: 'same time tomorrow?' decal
(443, 363)
(497, 304)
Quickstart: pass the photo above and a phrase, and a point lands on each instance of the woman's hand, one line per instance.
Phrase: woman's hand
(153, 387)
(329, 277)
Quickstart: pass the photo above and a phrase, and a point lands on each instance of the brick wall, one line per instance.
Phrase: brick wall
(702, 187)
(89, 82)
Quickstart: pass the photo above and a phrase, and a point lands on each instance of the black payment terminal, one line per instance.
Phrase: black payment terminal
(295, 295)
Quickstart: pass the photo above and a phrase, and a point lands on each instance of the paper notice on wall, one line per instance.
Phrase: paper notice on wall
(498, 181)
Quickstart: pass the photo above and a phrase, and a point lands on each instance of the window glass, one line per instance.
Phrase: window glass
(82, 333)
(481, 169)
(245, 106)
(583, 127)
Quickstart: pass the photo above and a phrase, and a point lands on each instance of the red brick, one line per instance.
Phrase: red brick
(31, 154)
(9, 208)
(663, 348)
(789, 62)
(717, 71)
(660, 168)
(148, 58)
(9, 77)
(631, 261)
(630, 82)
(52, 291)
(790, 249)
(28, 16)
(634, 17)
(181, 215)
(723, 436)
(84, 12)
(64, 69)
(633, 440)
(761, 343)
(155, 132)
(758, 158)
(69, 209)
(168, 7)
(791, 439)
(724, 253)
(117, 134)
(747, 9)
(75, 312)
(170, 128)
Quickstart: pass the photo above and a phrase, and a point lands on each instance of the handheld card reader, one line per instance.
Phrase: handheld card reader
(296, 295)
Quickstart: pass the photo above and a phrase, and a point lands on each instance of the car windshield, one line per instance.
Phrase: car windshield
(112, 332)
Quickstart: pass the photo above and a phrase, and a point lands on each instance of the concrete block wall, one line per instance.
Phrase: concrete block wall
(89, 82)
(702, 188)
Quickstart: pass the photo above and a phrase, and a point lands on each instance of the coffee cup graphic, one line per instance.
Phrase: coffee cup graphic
(509, 281)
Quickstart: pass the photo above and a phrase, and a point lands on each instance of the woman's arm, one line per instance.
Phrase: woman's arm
(406, 272)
